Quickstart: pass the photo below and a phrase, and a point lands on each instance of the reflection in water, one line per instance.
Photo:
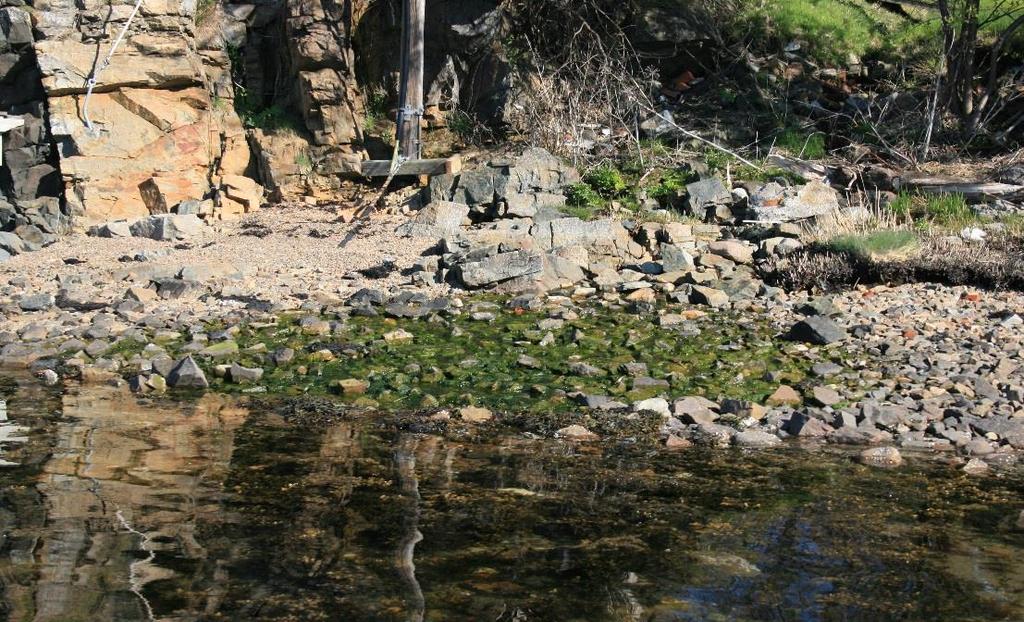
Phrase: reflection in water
(125, 484)
(405, 457)
(128, 510)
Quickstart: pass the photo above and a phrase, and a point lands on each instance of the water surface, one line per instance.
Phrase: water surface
(130, 509)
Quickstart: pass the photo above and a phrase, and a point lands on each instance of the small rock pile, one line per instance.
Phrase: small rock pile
(500, 228)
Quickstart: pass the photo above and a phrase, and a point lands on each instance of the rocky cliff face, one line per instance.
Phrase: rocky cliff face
(197, 99)
(161, 110)
(317, 61)
(164, 127)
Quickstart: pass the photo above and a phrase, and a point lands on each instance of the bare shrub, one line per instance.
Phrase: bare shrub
(585, 81)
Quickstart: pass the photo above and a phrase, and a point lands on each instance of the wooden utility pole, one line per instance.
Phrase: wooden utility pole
(408, 157)
(410, 111)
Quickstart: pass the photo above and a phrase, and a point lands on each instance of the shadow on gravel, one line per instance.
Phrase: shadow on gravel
(998, 264)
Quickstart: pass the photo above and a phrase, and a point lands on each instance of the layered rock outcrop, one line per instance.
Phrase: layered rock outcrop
(161, 115)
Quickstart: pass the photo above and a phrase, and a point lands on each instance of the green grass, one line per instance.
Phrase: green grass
(947, 211)
(1014, 224)
(718, 161)
(831, 29)
(950, 210)
(376, 110)
(800, 144)
(902, 205)
(876, 244)
(834, 29)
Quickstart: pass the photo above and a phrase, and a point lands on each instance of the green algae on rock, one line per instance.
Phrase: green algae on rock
(455, 361)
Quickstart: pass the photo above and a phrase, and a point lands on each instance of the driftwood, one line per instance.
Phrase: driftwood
(974, 191)
(810, 171)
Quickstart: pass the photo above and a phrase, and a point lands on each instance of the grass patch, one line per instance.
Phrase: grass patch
(946, 211)
(800, 144)
(376, 106)
(832, 30)
(669, 185)
(951, 211)
(882, 244)
(720, 162)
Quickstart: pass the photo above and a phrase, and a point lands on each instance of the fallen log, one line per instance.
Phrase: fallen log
(972, 191)
(810, 171)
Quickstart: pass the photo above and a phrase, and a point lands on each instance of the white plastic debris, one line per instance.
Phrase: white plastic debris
(973, 234)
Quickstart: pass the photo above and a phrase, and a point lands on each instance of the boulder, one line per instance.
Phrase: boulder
(37, 302)
(187, 374)
(499, 268)
(113, 229)
(756, 439)
(245, 375)
(733, 250)
(242, 195)
(576, 432)
(785, 395)
(775, 203)
(168, 227)
(675, 258)
(162, 194)
(695, 409)
(475, 414)
(708, 193)
(881, 457)
(818, 330)
(709, 296)
(12, 244)
(804, 425)
(436, 220)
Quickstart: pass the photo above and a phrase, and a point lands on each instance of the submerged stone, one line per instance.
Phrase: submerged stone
(881, 457)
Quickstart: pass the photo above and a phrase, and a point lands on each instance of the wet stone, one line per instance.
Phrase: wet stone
(881, 457)
(756, 439)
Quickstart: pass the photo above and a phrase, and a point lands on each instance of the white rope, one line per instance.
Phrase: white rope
(91, 83)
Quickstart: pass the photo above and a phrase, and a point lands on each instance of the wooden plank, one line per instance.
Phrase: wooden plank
(440, 166)
(411, 94)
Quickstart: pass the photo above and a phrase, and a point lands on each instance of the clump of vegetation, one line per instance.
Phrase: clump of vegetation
(270, 118)
(606, 181)
(669, 185)
(881, 244)
(582, 195)
(835, 28)
(950, 210)
(304, 163)
(583, 202)
(902, 206)
(462, 124)
(721, 162)
(376, 108)
(947, 211)
(808, 146)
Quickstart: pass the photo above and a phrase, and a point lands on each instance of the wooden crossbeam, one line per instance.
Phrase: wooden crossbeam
(430, 168)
